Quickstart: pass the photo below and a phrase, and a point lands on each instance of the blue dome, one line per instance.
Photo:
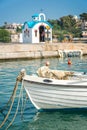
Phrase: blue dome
(35, 15)
(31, 24)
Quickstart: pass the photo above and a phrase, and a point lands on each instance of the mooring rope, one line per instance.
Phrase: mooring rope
(23, 105)
(16, 108)
(12, 98)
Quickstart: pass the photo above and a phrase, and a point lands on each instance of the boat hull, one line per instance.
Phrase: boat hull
(56, 94)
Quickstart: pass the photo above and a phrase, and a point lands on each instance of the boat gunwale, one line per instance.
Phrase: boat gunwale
(60, 85)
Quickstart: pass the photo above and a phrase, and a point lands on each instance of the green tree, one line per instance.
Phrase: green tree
(4, 36)
(83, 16)
(68, 23)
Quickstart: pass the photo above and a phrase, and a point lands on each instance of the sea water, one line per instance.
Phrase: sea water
(28, 118)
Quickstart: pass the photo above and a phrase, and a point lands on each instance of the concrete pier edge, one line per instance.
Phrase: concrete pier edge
(43, 50)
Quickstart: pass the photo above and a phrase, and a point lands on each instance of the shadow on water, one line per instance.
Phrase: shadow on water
(56, 120)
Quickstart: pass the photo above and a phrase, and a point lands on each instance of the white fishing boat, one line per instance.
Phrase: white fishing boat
(46, 93)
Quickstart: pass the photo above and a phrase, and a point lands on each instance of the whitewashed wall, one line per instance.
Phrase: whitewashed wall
(26, 38)
(32, 38)
(35, 39)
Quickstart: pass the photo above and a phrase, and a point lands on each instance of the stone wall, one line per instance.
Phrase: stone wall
(30, 51)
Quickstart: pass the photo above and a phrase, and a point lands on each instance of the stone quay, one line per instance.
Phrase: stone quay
(42, 50)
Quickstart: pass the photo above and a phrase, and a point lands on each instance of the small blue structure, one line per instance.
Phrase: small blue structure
(38, 30)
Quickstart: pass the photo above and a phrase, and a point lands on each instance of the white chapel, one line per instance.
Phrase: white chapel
(39, 30)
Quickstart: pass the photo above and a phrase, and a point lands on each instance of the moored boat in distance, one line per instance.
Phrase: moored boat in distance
(46, 93)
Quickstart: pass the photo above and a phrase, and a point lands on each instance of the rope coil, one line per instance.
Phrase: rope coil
(12, 98)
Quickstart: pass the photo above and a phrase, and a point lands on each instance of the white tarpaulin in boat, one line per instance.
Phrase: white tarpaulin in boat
(45, 72)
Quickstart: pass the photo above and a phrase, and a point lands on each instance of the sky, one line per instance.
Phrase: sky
(19, 11)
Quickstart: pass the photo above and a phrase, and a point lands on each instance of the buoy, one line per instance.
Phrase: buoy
(47, 63)
(69, 62)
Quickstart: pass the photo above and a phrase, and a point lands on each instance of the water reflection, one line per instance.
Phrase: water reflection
(62, 120)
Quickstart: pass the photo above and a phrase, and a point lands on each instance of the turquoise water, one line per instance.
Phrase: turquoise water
(28, 118)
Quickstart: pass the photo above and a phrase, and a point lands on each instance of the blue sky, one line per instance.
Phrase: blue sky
(20, 11)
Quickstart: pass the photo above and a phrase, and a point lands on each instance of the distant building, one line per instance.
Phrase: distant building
(12, 28)
(84, 29)
(38, 30)
(16, 38)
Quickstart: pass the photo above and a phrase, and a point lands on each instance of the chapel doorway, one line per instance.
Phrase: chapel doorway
(42, 33)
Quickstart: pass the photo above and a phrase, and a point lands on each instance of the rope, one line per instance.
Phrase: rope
(16, 109)
(12, 98)
(23, 105)
(22, 102)
(9, 99)
(19, 79)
